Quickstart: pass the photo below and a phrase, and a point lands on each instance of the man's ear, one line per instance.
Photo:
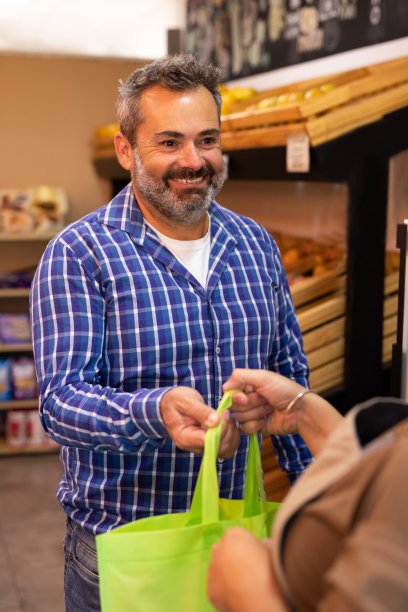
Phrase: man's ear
(124, 151)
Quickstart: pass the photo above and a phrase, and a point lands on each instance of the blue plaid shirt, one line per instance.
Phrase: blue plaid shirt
(117, 321)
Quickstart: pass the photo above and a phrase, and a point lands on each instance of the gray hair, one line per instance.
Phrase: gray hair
(178, 72)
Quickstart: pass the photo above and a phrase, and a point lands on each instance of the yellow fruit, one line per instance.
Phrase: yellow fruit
(296, 96)
(267, 103)
(222, 88)
(227, 101)
(312, 93)
(107, 131)
(242, 93)
(228, 98)
(283, 99)
(327, 87)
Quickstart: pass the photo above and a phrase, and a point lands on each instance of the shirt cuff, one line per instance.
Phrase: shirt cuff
(145, 412)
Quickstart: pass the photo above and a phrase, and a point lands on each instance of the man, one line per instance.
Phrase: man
(140, 312)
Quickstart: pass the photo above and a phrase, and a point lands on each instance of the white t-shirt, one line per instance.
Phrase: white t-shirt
(193, 254)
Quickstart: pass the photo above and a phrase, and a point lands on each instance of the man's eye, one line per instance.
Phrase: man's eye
(168, 143)
(210, 140)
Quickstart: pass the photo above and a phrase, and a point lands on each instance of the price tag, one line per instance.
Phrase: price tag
(297, 153)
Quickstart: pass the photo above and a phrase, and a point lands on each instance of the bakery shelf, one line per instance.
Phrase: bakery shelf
(26, 237)
(16, 348)
(8, 451)
(19, 404)
(359, 97)
(14, 292)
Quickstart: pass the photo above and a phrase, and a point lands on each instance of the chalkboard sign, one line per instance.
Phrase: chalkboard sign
(246, 37)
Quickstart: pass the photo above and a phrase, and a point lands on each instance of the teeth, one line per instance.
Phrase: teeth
(188, 181)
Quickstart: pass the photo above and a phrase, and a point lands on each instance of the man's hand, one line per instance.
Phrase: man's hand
(187, 418)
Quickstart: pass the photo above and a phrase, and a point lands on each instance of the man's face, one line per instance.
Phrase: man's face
(177, 162)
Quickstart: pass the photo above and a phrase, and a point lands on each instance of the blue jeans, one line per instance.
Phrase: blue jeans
(81, 581)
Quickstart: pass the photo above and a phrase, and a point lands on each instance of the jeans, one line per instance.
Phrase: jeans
(81, 581)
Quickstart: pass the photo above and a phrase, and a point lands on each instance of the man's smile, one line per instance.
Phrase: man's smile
(192, 181)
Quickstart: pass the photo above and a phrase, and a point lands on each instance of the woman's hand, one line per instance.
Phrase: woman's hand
(240, 575)
(260, 405)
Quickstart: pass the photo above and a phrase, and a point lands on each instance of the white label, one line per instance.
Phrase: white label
(297, 153)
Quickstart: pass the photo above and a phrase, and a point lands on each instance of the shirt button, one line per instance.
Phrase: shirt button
(217, 350)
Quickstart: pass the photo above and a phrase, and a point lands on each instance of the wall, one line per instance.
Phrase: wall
(50, 107)
(303, 209)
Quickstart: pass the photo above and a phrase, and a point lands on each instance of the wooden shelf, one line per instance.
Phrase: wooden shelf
(27, 237)
(19, 404)
(16, 348)
(9, 451)
(17, 292)
(359, 97)
(21, 252)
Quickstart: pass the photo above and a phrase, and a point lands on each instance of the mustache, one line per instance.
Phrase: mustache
(189, 173)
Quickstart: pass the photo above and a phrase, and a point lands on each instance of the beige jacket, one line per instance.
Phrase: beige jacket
(341, 536)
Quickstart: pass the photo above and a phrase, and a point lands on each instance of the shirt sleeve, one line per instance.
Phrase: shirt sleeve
(288, 358)
(371, 572)
(67, 318)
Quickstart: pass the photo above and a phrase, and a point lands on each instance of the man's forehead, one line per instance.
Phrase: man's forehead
(169, 112)
(158, 95)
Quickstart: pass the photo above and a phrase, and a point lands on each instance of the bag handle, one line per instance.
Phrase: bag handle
(205, 507)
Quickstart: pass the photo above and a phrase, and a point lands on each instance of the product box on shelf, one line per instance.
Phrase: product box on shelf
(33, 209)
(14, 328)
(24, 429)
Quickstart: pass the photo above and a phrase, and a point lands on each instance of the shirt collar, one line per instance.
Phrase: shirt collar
(123, 213)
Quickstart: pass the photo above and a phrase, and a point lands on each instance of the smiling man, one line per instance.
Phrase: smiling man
(175, 172)
(140, 312)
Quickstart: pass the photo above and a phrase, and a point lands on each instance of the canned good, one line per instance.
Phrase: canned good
(35, 435)
(16, 428)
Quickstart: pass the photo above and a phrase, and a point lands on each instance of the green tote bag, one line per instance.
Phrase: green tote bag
(160, 563)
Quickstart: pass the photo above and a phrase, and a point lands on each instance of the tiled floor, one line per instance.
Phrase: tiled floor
(32, 529)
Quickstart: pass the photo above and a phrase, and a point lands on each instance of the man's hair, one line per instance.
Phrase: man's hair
(180, 72)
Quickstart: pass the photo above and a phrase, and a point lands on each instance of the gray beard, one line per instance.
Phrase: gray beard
(187, 209)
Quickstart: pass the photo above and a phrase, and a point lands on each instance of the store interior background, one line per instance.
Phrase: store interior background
(52, 103)
(52, 100)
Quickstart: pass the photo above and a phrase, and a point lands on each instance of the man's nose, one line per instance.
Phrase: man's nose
(190, 157)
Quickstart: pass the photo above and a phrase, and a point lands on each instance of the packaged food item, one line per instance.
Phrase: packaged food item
(16, 280)
(14, 328)
(5, 380)
(32, 209)
(35, 434)
(16, 428)
(23, 379)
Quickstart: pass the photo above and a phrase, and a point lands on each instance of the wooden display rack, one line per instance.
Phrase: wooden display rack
(360, 97)
(319, 297)
(321, 310)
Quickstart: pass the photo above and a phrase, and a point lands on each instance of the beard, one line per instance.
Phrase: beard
(186, 207)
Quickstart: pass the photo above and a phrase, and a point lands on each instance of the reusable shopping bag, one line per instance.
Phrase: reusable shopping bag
(159, 563)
